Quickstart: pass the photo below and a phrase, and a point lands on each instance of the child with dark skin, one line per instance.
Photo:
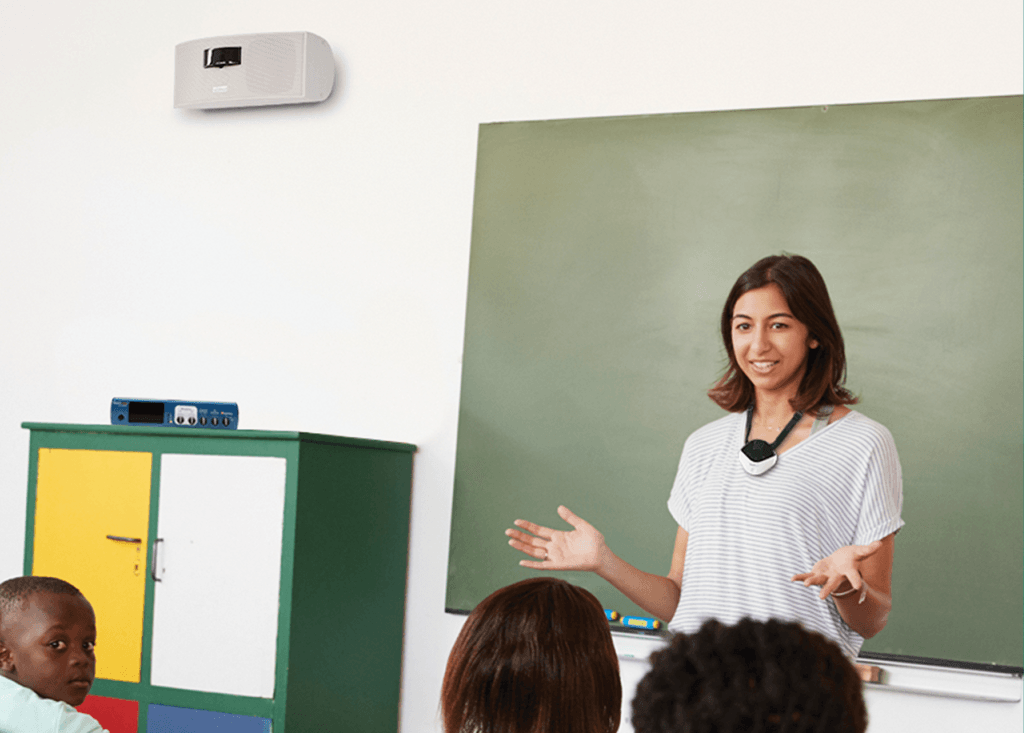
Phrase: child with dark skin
(47, 639)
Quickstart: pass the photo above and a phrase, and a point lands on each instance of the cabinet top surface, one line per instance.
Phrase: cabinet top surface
(222, 434)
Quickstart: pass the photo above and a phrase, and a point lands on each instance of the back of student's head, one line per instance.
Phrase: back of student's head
(533, 657)
(754, 676)
(15, 591)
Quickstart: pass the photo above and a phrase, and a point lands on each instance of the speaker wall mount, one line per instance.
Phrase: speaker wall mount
(252, 70)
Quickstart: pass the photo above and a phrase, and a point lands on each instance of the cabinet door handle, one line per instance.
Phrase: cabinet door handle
(114, 537)
(153, 566)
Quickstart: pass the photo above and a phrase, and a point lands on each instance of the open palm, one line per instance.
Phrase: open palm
(843, 564)
(581, 548)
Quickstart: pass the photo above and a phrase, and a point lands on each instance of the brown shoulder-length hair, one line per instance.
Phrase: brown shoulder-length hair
(805, 292)
(533, 657)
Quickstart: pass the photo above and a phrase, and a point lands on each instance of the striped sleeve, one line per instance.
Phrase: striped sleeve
(882, 505)
(698, 454)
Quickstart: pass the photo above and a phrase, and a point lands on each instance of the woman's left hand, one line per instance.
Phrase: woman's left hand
(841, 565)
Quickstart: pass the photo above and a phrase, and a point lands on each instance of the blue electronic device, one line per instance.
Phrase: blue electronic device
(174, 413)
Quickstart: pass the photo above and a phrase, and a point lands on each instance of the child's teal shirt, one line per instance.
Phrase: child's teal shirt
(23, 711)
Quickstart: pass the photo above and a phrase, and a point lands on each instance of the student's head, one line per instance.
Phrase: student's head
(751, 677)
(807, 297)
(533, 657)
(47, 634)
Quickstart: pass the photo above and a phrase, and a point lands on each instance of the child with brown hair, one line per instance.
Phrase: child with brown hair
(47, 659)
(533, 657)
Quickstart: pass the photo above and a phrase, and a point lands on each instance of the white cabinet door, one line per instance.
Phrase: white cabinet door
(219, 564)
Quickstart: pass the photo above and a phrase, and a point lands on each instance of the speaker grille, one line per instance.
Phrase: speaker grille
(273, 66)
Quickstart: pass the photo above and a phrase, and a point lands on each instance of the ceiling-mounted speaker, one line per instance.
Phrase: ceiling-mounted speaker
(252, 70)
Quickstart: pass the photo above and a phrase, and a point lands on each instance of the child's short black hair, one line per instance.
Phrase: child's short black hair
(754, 676)
(14, 592)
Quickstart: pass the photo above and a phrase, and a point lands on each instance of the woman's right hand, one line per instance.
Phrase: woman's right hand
(582, 548)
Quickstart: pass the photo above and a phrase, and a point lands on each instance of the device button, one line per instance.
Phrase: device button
(120, 417)
(214, 420)
(181, 420)
(191, 421)
(227, 421)
(202, 421)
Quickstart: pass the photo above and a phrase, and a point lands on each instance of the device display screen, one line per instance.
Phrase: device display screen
(148, 412)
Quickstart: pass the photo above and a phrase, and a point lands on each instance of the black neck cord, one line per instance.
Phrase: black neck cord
(759, 450)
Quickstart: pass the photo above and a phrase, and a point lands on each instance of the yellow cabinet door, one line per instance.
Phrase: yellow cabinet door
(91, 529)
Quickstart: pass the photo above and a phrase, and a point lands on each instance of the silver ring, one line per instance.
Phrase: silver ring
(545, 556)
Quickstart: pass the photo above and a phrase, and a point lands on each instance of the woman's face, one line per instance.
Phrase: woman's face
(770, 344)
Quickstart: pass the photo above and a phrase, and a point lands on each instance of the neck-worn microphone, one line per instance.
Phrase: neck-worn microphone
(757, 456)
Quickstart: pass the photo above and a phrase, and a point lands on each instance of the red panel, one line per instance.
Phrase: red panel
(117, 716)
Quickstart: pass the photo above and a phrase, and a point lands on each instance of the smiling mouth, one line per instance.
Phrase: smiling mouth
(762, 366)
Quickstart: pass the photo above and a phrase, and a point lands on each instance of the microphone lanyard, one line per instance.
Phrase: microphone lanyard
(757, 456)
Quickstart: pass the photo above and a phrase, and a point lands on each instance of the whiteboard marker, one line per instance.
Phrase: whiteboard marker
(639, 622)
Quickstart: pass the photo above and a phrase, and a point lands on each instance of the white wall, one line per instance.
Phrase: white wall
(311, 263)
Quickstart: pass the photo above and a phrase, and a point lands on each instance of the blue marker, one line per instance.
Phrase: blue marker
(639, 622)
(612, 615)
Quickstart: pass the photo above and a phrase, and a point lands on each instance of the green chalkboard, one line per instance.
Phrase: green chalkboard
(602, 252)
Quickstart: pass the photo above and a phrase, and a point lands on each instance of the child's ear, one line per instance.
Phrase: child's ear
(6, 659)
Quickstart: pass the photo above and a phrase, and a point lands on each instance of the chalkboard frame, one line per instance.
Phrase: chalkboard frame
(519, 196)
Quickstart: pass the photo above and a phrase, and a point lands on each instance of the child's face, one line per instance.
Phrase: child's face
(47, 646)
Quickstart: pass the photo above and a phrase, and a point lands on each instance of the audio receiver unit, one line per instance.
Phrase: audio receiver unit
(174, 413)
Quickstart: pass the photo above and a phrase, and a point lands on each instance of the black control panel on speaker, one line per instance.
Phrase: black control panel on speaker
(223, 56)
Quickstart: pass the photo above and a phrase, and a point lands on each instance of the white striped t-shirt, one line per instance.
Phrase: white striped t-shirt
(748, 535)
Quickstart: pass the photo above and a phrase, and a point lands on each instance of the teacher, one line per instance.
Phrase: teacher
(788, 506)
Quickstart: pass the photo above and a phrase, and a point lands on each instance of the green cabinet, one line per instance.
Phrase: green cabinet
(246, 573)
